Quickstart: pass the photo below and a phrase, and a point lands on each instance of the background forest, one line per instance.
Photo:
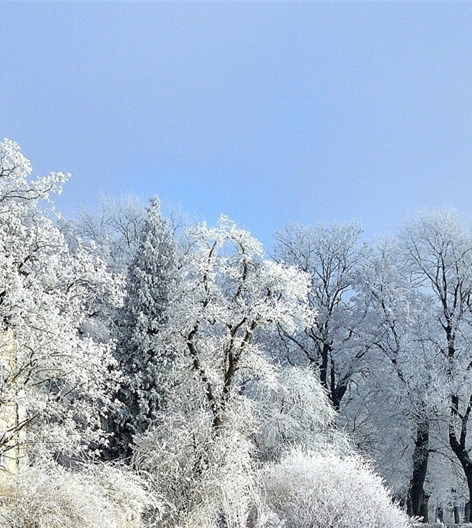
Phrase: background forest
(161, 373)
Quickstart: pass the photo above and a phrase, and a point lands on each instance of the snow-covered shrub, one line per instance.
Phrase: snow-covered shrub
(98, 496)
(204, 478)
(293, 409)
(309, 489)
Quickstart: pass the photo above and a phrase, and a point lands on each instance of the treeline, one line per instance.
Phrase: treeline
(158, 373)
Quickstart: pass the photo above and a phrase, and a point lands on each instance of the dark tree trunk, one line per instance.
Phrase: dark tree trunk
(469, 484)
(338, 388)
(325, 354)
(418, 503)
(459, 445)
(424, 509)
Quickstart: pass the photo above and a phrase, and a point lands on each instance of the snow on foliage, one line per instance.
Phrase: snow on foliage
(203, 479)
(320, 489)
(60, 378)
(142, 360)
(50, 496)
(15, 170)
(294, 410)
(224, 293)
(200, 451)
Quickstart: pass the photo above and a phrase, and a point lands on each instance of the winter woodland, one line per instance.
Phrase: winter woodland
(156, 373)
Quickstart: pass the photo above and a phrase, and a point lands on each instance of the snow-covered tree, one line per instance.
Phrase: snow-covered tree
(115, 229)
(329, 254)
(438, 253)
(55, 376)
(151, 276)
(225, 292)
(201, 452)
(400, 391)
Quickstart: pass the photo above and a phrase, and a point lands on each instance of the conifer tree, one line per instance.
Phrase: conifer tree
(142, 362)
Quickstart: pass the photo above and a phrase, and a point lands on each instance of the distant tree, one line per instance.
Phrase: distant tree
(401, 389)
(330, 255)
(438, 254)
(115, 230)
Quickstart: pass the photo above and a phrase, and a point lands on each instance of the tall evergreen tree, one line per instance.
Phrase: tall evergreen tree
(150, 277)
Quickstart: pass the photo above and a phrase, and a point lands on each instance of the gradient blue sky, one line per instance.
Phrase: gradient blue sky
(268, 112)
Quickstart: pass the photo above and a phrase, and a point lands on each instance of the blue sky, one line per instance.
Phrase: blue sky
(267, 112)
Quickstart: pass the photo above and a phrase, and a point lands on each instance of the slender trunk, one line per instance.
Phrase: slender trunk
(469, 484)
(325, 354)
(417, 498)
(457, 517)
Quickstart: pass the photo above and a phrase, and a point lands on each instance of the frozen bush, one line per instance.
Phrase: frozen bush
(205, 479)
(310, 489)
(294, 409)
(98, 496)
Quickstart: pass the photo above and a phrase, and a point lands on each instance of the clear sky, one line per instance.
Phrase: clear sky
(267, 112)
